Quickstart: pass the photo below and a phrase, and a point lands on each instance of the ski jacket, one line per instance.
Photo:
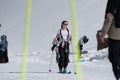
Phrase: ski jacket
(3, 43)
(109, 28)
(113, 7)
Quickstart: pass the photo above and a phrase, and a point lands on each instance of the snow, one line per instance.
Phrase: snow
(46, 18)
(97, 70)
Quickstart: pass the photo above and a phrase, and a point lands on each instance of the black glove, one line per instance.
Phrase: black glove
(53, 47)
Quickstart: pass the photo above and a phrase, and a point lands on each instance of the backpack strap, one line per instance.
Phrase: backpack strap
(68, 32)
(61, 33)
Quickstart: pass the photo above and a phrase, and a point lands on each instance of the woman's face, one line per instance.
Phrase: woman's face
(65, 24)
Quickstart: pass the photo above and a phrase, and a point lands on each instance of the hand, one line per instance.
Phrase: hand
(53, 47)
(55, 39)
(102, 39)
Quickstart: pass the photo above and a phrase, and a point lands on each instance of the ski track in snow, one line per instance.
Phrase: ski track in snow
(38, 66)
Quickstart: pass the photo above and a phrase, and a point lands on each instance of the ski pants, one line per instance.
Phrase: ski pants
(63, 57)
(114, 56)
(6, 56)
(1, 57)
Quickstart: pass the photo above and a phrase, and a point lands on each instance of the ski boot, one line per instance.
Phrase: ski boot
(65, 70)
(60, 70)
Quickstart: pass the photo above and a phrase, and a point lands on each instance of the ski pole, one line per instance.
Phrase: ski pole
(51, 62)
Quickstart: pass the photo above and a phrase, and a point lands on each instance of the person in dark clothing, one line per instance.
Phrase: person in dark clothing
(111, 27)
(3, 49)
(83, 40)
(63, 46)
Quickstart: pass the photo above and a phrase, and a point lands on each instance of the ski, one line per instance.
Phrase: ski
(69, 72)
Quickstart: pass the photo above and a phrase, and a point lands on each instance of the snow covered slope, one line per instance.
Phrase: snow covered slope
(12, 19)
(90, 19)
(46, 19)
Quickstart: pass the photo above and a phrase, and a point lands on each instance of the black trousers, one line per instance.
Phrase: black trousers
(114, 56)
(2, 57)
(81, 47)
(63, 57)
(6, 56)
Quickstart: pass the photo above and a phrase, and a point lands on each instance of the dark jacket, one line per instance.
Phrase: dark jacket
(113, 7)
(3, 43)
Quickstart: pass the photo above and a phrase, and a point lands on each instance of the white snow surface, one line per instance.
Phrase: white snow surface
(46, 18)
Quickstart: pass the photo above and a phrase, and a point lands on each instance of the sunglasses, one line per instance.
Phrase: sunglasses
(65, 24)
